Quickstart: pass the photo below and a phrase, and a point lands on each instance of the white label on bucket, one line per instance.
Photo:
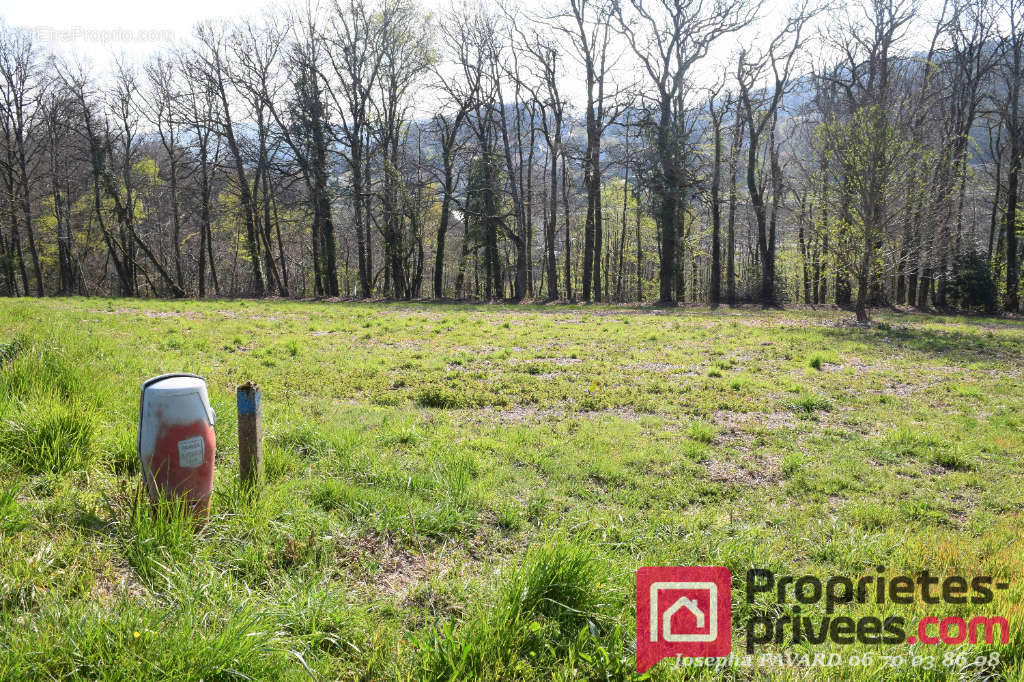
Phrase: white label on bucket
(190, 452)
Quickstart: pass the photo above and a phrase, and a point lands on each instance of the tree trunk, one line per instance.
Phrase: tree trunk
(715, 287)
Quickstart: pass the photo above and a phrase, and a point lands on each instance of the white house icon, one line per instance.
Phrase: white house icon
(666, 633)
(690, 605)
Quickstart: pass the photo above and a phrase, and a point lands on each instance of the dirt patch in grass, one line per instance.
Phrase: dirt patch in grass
(743, 421)
(188, 314)
(528, 415)
(762, 472)
(855, 364)
(376, 562)
(653, 367)
(156, 314)
(119, 579)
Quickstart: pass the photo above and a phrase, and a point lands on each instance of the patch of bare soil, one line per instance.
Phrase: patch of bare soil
(155, 314)
(853, 363)
(562, 361)
(897, 389)
(121, 580)
(379, 564)
(188, 314)
(742, 421)
(523, 414)
(845, 323)
(779, 322)
(759, 473)
(403, 344)
(961, 507)
(653, 367)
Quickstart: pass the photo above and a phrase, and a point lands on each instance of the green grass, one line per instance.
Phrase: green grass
(45, 436)
(458, 492)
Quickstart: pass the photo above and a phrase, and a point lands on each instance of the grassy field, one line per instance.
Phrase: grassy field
(467, 491)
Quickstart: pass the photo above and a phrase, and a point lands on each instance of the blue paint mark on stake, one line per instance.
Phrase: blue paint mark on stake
(248, 401)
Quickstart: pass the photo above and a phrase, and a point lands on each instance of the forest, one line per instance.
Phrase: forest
(653, 151)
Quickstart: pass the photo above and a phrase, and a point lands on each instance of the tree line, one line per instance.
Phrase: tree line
(863, 155)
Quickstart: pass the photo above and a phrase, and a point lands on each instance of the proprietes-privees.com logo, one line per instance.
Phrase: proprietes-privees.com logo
(686, 611)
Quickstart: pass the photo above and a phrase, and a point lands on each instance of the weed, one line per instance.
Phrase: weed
(953, 458)
(806, 403)
(792, 463)
(702, 431)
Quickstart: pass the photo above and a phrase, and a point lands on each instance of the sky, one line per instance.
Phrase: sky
(103, 29)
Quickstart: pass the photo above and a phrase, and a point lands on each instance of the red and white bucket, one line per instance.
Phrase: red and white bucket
(176, 441)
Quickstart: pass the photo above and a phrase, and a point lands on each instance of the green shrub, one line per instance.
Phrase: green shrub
(972, 284)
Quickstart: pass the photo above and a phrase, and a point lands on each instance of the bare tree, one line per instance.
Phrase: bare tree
(668, 39)
(21, 73)
(1012, 73)
(759, 105)
(210, 53)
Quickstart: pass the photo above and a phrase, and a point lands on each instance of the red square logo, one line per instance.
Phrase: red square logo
(682, 611)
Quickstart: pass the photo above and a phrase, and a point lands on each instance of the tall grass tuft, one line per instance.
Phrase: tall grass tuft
(10, 350)
(702, 431)
(540, 610)
(47, 437)
(806, 403)
(12, 516)
(29, 370)
(155, 536)
(558, 580)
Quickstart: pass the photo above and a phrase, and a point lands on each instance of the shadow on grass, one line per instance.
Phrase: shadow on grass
(954, 346)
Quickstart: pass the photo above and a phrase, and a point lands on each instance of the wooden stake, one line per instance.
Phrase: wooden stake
(250, 434)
